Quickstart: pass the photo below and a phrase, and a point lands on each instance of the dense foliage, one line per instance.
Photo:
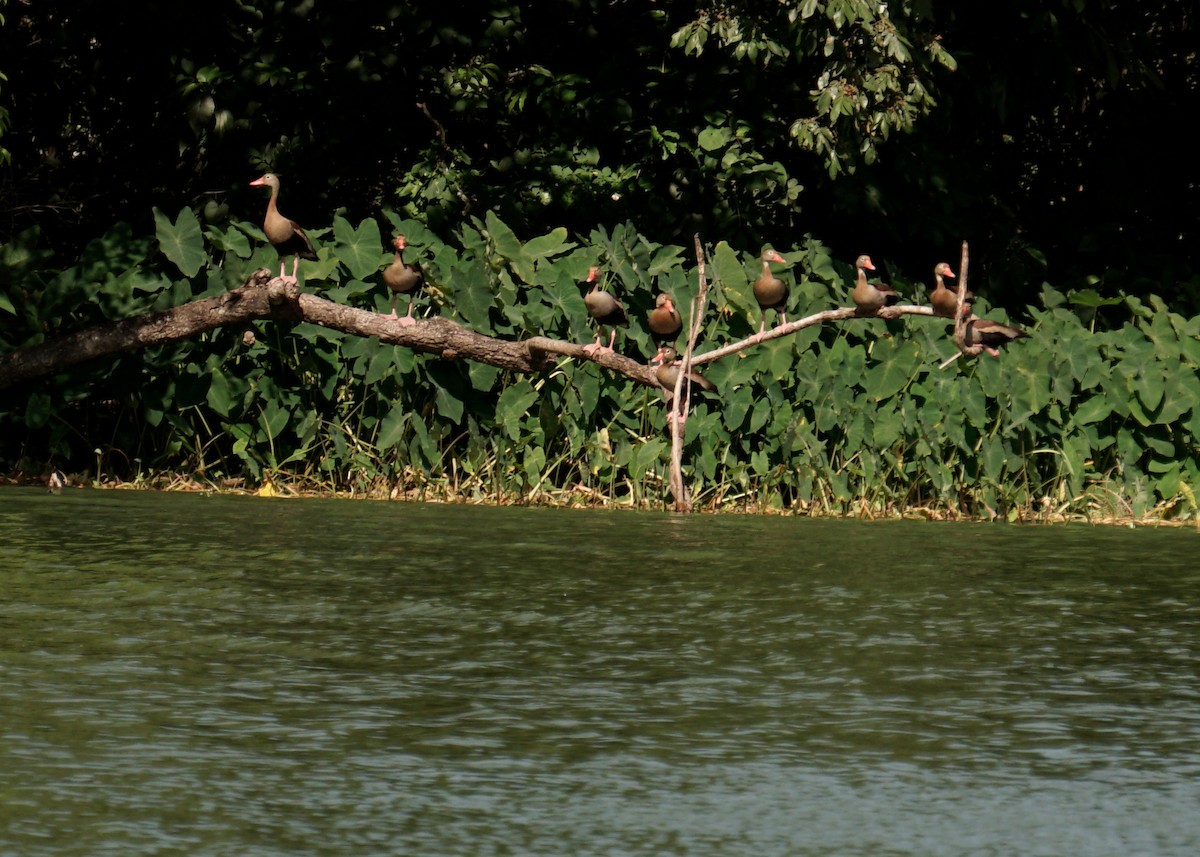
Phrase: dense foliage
(847, 417)
(890, 128)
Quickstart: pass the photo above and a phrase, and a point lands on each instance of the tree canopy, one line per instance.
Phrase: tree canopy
(894, 128)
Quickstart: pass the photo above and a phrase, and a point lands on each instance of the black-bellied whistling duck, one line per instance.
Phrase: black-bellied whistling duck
(603, 307)
(402, 278)
(943, 300)
(868, 296)
(664, 321)
(990, 335)
(286, 235)
(667, 372)
(770, 291)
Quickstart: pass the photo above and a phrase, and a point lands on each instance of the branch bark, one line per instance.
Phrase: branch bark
(960, 323)
(263, 297)
(823, 317)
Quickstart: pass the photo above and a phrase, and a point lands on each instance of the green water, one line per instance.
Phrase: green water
(236, 676)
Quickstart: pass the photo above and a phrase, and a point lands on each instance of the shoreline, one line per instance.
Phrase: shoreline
(582, 497)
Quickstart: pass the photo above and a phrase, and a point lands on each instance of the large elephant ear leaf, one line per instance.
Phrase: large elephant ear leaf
(360, 250)
(181, 241)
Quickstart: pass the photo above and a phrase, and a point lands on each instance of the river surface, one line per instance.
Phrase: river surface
(201, 675)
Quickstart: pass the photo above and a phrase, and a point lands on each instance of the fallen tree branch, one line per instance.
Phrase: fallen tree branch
(264, 297)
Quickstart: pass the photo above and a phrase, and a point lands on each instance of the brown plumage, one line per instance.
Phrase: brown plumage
(944, 300)
(667, 371)
(603, 307)
(664, 321)
(402, 278)
(868, 296)
(770, 291)
(287, 236)
(990, 335)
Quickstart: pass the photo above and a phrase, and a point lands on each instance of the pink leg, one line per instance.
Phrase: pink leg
(408, 320)
(595, 346)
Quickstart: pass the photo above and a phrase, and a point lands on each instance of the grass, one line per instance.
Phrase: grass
(1101, 504)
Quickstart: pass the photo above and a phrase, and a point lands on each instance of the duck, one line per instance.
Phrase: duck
(667, 371)
(605, 309)
(867, 296)
(287, 236)
(945, 300)
(664, 321)
(770, 291)
(990, 335)
(403, 278)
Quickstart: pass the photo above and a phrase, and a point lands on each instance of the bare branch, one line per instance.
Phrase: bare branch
(680, 403)
(824, 317)
(264, 297)
(960, 323)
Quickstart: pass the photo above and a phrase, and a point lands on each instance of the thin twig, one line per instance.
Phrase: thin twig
(680, 399)
(823, 317)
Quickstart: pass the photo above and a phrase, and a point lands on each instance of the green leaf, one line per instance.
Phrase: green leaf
(359, 249)
(220, 395)
(711, 139)
(448, 405)
(1151, 385)
(512, 405)
(1180, 395)
(230, 241)
(181, 241)
(274, 419)
(735, 285)
(553, 243)
(37, 410)
(473, 297)
(1091, 410)
(508, 247)
(886, 379)
(391, 429)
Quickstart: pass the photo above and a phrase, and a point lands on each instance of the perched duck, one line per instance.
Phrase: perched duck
(990, 335)
(286, 235)
(603, 307)
(403, 278)
(770, 291)
(667, 372)
(867, 296)
(945, 300)
(664, 321)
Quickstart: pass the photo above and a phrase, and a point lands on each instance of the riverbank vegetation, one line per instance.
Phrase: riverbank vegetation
(512, 162)
(856, 417)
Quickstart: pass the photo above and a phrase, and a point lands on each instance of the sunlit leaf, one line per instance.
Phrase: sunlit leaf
(359, 249)
(181, 241)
